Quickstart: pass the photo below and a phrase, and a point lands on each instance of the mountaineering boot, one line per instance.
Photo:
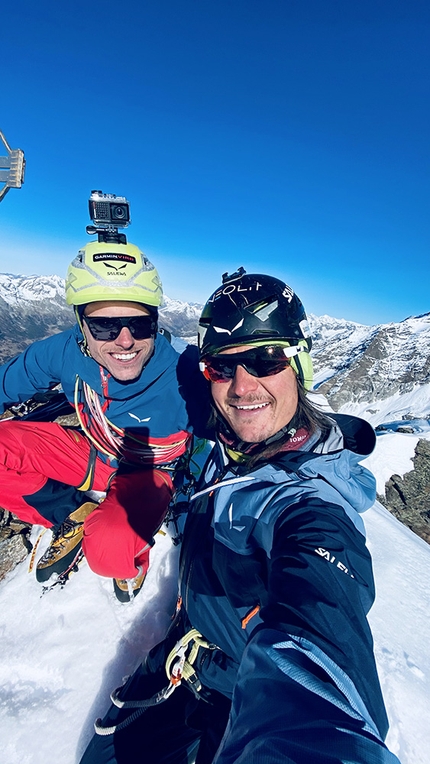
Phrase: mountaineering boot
(126, 589)
(65, 544)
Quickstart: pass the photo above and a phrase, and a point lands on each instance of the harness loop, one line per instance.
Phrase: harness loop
(178, 667)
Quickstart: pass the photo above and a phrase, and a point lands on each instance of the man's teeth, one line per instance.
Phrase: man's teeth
(252, 406)
(124, 356)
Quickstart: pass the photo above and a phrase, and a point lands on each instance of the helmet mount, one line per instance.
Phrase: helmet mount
(108, 236)
(236, 275)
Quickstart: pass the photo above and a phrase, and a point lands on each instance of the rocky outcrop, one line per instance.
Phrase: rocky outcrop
(14, 542)
(408, 497)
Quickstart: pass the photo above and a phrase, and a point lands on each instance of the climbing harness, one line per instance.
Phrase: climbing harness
(179, 666)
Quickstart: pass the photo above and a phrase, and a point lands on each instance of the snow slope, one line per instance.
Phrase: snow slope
(400, 621)
(62, 654)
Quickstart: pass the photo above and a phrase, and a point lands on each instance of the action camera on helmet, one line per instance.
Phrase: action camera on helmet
(108, 212)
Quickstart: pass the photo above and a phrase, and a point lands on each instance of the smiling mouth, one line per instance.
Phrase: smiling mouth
(249, 406)
(124, 356)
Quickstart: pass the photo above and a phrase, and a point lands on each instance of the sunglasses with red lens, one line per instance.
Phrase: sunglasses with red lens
(109, 328)
(264, 361)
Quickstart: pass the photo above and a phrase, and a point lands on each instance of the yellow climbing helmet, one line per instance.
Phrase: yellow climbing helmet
(103, 272)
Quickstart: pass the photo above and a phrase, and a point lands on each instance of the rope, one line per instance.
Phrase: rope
(140, 705)
(110, 439)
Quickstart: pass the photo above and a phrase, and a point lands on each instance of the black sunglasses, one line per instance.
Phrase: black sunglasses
(108, 329)
(264, 361)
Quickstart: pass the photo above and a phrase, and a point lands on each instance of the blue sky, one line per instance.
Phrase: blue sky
(287, 136)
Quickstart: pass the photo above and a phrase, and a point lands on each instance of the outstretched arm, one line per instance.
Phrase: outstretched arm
(307, 688)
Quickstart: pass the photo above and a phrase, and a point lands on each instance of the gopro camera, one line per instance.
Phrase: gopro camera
(109, 210)
(108, 213)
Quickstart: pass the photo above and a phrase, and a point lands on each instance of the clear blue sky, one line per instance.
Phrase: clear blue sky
(288, 136)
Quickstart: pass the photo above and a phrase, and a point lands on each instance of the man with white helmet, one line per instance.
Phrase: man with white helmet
(270, 657)
(121, 377)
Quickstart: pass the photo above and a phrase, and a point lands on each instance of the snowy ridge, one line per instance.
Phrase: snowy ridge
(191, 310)
(16, 290)
(181, 318)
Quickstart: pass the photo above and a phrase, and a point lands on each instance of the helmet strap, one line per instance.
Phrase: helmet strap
(83, 345)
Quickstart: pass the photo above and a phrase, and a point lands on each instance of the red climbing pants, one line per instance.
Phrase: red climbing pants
(118, 533)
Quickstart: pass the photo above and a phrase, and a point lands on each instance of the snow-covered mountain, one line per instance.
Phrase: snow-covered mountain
(31, 308)
(180, 318)
(379, 372)
(19, 290)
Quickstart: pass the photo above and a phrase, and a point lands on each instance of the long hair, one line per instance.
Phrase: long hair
(309, 415)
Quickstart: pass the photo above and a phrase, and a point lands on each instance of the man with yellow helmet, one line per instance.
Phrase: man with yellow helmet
(121, 377)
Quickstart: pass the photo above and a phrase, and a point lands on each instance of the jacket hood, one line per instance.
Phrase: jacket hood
(358, 435)
(337, 460)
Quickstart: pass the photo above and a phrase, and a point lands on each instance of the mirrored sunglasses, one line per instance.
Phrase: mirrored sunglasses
(108, 329)
(264, 361)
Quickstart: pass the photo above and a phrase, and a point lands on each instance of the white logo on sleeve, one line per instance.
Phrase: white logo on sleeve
(332, 559)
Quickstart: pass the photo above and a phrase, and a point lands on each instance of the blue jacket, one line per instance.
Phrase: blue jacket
(155, 406)
(276, 573)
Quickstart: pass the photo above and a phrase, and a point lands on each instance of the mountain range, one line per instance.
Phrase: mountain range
(380, 372)
(34, 307)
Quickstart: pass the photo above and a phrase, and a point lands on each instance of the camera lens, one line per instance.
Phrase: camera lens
(119, 212)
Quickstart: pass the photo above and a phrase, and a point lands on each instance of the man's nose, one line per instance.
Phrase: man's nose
(243, 382)
(125, 338)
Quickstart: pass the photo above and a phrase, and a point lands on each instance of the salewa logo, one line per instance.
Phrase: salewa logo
(133, 416)
(220, 330)
(230, 517)
(110, 265)
(331, 558)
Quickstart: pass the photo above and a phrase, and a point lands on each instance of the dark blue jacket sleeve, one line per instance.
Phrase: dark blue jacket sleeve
(307, 688)
(194, 389)
(37, 369)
